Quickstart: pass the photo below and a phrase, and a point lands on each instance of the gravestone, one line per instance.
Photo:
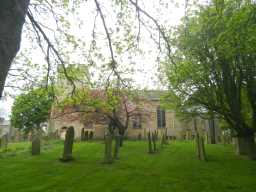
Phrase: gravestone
(4, 141)
(35, 137)
(200, 147)
(199, 139)
(108, 148)
(150, 148)
(154, 140)
(68, 145)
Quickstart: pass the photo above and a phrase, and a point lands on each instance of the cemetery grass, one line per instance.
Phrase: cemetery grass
(173, 168)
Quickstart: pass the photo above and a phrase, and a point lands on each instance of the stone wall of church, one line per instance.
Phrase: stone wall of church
(174, 127)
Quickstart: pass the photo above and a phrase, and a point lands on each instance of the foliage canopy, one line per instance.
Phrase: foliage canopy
(215, 63)
(31, 109)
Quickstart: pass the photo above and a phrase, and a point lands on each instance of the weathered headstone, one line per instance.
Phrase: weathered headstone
(150, 148)
(108, 149)
(68, 145)
(4, 141)
(200, 148)
(36, 144)
(245, 146)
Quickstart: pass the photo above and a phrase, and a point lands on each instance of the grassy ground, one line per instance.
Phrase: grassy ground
(174, 168)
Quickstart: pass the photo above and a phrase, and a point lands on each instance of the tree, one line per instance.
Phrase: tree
(29, 111)
(189, 111)
(122, 36)
(215, 66)
(113, 107)
(12, 18)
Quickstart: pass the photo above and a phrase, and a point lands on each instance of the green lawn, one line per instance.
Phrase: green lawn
(174, 168)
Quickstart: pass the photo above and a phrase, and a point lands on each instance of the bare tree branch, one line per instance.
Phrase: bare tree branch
(159, 27)
(50, 46)
(113, 63)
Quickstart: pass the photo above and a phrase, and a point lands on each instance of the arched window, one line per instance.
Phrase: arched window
(161, 122)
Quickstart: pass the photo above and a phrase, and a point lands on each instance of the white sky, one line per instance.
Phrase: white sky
(145, 75)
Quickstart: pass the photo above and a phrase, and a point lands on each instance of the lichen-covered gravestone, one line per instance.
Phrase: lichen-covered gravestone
(68, 145)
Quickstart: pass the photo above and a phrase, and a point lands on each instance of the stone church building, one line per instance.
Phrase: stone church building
(159, 119)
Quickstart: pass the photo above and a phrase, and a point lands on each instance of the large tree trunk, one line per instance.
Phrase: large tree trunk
(245, 145)
(12, 18)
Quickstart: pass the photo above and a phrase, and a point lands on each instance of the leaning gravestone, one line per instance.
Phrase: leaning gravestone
(68, 145)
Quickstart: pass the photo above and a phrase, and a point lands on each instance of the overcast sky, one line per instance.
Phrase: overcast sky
(145, 75)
